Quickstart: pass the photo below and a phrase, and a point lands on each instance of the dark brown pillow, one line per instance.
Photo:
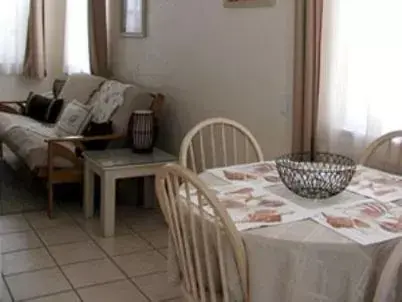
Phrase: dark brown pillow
(43, 109)
(95, 129)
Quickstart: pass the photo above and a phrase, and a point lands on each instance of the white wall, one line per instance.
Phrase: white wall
(213, 61)
(15, 87)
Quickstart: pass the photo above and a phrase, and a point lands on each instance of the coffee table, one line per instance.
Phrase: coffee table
(111, 165)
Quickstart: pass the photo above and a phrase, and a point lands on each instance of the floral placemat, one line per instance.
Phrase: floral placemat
(253, 207)
(376, 184)
(264, 173)
(366, 222)
(375, 217)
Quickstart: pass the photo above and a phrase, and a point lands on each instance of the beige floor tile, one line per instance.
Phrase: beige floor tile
(19, 241)
(40, 220)
(78, 217)
(146, 223)
(91, 273)
(35, 284)
(93, 228)
(5, 294)
(76, 252)
(35, 204)
(157, 287)
(164, 252)
(158, 238)
(9, 207)
(126, 211)
(63, 235)
(133, 212)
(175, 300)
(12, 224)
(71, 207)
(122, 291)
(127, 244)
(141, 263)
(26, 261)
(63, 297)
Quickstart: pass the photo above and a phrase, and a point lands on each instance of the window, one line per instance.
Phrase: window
(76, 56)
(13, 35)
(361, 74)
(133, 16)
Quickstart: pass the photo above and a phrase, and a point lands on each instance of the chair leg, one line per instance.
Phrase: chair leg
(1, 150)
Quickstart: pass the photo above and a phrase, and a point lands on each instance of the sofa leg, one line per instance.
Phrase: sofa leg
(50, 180)
(50, 199)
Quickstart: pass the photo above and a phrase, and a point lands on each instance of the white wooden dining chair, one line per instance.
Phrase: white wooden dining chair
(388, 279)
(202, 234)
(218, 142)
(385, 153)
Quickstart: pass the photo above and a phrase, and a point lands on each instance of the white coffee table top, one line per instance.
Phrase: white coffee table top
(126, 157)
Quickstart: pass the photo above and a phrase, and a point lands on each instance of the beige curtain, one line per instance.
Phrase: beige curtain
(35, 61)
(308, 27)
(98, 37)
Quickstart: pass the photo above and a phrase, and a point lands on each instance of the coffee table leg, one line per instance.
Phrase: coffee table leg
(88, 191)
(108, 204)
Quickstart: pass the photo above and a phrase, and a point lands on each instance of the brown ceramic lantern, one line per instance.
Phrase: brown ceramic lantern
(143, 131)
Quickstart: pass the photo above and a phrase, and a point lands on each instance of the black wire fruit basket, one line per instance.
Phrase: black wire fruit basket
(315, 175)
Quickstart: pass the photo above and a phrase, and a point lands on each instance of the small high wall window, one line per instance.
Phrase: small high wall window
(76, 55)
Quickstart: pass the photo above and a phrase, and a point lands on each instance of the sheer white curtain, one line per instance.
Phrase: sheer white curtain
(13, 35)
(76, 53)
(361, 82)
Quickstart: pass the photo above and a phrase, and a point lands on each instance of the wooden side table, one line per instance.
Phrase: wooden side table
(112, 165)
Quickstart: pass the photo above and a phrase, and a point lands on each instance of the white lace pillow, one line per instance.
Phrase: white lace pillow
(74, 119)
(107, 100)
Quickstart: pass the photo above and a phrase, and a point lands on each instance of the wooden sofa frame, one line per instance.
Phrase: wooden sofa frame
(74, 174)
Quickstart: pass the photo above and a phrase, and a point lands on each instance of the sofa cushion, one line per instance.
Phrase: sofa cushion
(29, 144)
(74, 119)
(80, 87)
(9, 121)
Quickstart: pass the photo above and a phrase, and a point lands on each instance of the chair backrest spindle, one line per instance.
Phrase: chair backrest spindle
(225, 153)
(202, 150)
(202, 233)
(213, 144)
(389, 148)
(221, 146)
(234, 140)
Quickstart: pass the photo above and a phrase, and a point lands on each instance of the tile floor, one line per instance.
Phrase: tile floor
(67, 260)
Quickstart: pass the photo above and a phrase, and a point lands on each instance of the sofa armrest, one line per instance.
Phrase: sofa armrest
(57, 149)
(13, 102)
(80, 138)
(15, 107)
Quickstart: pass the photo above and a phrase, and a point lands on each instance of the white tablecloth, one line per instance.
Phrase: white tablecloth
(307, 262)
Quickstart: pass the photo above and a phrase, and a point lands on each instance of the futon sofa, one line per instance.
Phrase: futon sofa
(52, 154)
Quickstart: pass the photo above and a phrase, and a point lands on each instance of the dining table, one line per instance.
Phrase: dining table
(304, 260)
